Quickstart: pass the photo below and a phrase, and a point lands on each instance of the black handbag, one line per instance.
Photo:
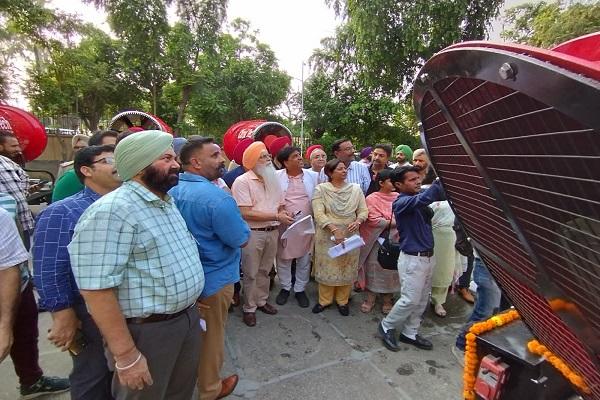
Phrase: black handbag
(388, 253)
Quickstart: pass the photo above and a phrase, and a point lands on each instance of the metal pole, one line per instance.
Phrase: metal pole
(302, 110)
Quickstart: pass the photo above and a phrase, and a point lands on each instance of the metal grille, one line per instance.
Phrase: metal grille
(537, 210)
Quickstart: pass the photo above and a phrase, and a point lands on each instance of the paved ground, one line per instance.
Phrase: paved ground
(300, 355)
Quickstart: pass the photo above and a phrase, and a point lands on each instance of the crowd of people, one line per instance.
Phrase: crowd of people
(141, 253)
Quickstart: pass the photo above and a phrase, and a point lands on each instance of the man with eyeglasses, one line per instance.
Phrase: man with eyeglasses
(72, 326)
(357, 172)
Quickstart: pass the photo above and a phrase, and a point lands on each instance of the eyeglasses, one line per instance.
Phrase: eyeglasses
(105, 160)
(265, 157)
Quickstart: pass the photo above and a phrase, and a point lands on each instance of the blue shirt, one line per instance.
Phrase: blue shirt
(232, 175)
(52, 272)
(412, 220)
(214, 219)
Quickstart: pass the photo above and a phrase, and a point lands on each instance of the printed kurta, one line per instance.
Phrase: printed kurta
(340, 207)
(371, 275)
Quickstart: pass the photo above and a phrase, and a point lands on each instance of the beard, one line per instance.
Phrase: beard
(160, 181)
(267, 173)
(18, 158)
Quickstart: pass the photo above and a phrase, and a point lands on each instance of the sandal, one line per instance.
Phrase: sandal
(388, 304)
(366, 306)
(369, 302)
(439, 310)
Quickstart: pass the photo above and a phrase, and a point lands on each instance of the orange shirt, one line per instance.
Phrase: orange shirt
(249, 191)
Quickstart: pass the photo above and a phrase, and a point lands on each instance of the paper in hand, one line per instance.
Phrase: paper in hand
(349, 244)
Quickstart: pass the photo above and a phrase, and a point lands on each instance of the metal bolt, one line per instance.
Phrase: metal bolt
(507, 71)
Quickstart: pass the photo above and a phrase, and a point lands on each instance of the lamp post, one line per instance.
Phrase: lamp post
(302, 110)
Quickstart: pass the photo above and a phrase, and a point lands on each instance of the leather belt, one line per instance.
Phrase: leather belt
(265, 229)
(155, 317)
(428, 253)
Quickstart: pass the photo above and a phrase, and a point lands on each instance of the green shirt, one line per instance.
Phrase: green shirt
(137, 243)
(67, 185)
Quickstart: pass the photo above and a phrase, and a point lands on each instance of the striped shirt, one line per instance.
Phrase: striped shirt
(359, 173)
(14, 181)
(53, 232)
(137, 243)
(8, 203)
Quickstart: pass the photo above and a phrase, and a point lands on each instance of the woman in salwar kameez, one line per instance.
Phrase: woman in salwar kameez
(372, 278)
(339, 208)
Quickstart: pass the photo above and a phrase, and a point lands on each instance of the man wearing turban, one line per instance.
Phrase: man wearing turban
(139, 271)
(404, 156)
(259, 198)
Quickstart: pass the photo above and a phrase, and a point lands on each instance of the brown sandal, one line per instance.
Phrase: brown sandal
(388, 303)
(369, 302)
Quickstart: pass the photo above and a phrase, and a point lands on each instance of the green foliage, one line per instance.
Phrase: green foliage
(27, 28)
(242, 81)
(390, 40)
(81, 79)
(364, 73)
(548, 24)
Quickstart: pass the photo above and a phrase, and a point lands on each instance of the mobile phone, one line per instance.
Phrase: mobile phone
(78, 344)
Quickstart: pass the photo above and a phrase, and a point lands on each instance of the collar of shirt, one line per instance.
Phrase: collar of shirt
(89, 192)
(147, 195)
(188, 176)
(252, 175)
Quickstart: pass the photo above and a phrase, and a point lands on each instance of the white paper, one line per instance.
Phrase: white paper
(304, 226)
(349, 244)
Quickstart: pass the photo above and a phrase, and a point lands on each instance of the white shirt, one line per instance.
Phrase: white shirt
(12, 251)
(359, 173)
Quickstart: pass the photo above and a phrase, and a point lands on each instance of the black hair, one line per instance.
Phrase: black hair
(285, 153)
(191, 146)
(85, 158)
(4, 135)
(330, 166)
(400, 172)
(385, 147)
(384, 175)
(338, 143)
(98, 137)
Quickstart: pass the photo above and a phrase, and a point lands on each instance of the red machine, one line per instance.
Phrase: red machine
(29, 131)
(258, 130)
(139, 119)
(514, 134)
(493, 373)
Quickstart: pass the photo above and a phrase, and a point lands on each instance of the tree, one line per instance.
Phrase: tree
(241, 81)
(28, 27)
(189, 41)
(82, 79)
(390, 40)
(364, 73)
(548, 24)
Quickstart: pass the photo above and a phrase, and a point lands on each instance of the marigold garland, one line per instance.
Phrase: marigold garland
(472, 361)
(577, 380)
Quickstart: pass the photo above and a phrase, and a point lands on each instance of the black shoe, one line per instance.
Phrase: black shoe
(302, 299)
(318, 308)
(388, 338)
(344, 310)
(282, 297)
(419, 342)
(45, 385)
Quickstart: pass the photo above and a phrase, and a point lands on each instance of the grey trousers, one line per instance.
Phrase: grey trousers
(90, 378)
(172, 349)
(415, 280)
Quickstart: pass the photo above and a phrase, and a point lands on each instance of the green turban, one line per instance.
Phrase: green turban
(137, 151)
(408, 153)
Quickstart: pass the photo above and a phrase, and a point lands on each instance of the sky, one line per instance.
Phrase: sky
(292, 28)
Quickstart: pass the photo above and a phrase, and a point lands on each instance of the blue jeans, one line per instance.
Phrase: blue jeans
(487, 302)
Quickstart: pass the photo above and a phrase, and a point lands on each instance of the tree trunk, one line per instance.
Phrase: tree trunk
(186, 92)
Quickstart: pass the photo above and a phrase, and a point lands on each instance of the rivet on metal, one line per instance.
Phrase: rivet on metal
(507, 71)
